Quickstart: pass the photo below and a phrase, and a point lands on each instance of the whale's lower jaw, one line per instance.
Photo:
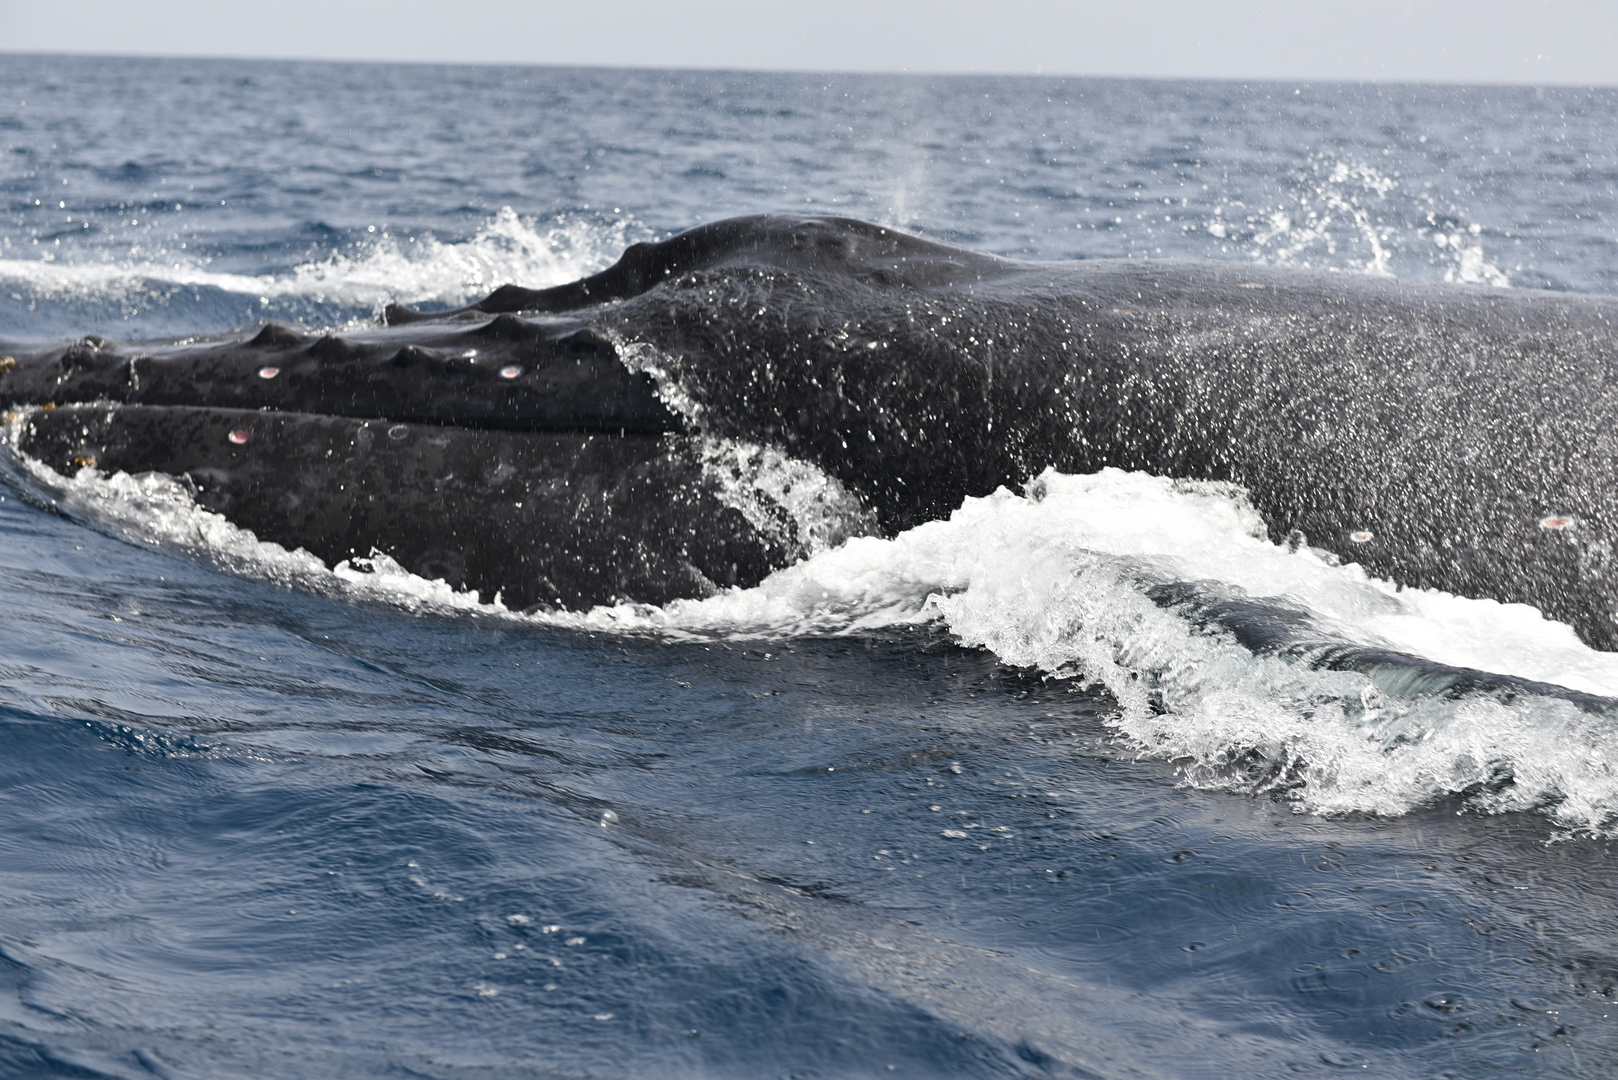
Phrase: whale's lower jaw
(540, 518)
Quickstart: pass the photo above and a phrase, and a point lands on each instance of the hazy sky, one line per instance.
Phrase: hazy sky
(1519, 41)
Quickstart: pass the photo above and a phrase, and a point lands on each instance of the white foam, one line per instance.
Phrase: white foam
(1056, 581)
(1132, 528)
(385, 267)
(508, 249)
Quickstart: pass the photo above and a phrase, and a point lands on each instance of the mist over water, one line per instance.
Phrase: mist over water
(997, 796)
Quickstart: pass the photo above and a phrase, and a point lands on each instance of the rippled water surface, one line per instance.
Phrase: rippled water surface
(261, 819)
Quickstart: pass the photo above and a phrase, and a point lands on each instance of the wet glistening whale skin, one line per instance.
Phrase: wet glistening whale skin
(557, 446)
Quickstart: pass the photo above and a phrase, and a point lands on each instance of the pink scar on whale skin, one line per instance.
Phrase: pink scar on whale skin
(1360, 536)
(239, 436)
(510, 372)
(268, 372)
(1557, 522)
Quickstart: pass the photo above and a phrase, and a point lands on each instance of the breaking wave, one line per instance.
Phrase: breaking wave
(380, 267)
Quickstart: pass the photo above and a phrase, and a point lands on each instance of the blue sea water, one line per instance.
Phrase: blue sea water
(260, 819)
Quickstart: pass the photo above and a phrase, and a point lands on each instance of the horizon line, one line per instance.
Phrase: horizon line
(719, 69)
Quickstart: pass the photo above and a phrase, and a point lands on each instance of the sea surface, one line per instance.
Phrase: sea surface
(903, 810)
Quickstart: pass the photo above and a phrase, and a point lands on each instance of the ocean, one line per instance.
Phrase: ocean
(901, 810)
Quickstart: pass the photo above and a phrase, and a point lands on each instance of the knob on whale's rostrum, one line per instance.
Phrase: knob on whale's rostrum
(333, 348)
(276, 336)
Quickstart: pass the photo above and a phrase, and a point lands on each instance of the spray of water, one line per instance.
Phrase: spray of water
(1346, 215)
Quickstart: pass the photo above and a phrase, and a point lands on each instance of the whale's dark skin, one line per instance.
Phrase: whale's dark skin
(1446, 422)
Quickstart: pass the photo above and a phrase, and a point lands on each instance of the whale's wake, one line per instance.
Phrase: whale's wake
(1252, 667)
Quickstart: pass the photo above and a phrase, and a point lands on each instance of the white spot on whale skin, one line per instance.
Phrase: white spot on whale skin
(398, 432)
(239, 436)
(510, 372)
(1557, 522)
(1360, 536)
(268, 372)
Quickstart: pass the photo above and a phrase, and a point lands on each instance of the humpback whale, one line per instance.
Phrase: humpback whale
(557, 446)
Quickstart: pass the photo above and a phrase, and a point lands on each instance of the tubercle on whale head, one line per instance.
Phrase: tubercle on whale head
(399, 315)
